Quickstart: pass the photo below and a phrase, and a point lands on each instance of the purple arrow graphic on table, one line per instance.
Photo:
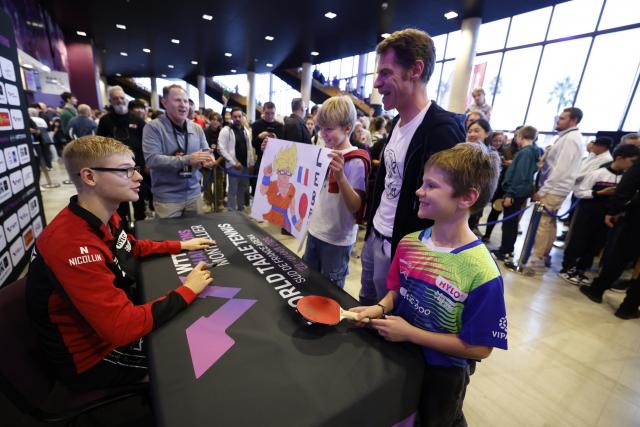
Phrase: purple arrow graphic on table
(207, 336)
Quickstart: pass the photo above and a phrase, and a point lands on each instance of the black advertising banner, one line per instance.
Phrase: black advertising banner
(242, 355)
(21, 214)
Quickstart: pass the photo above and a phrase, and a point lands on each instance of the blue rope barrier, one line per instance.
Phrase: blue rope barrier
(232, 172)
(572, 207)
(506, 218)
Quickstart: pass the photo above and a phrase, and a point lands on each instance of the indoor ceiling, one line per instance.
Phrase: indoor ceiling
(240, 28)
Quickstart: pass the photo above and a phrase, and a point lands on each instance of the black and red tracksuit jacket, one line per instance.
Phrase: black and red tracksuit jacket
(80, 279)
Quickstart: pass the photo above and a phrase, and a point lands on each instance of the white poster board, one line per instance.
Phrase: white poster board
(289, 182)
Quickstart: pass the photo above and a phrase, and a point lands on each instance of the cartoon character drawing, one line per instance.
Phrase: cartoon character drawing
(281, 192)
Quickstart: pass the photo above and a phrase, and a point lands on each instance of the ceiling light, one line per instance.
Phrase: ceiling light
(194, 62)
(124, 54)
(145, 50)
(207, 17)
(81, 33)
(227, 54)
(170, 66)
(121, 27)
(175, 41)
(269, 38)
(233, 70)
(163, 75)
(451, 14)
(314, 53)
(330, 15)
(385, 35)
(118, 74)
(269, 64)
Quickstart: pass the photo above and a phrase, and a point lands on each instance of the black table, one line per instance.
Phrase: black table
(241, 355)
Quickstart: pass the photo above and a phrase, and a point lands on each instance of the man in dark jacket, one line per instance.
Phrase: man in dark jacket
(420, 129)
(622, 214)
(266, 127)
(294, 128)
(126, 127)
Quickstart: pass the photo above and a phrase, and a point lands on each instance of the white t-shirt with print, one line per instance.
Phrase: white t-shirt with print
(394, 156)
(332, 222)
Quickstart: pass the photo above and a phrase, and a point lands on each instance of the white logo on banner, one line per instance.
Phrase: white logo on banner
(16, 119)
(23, 153)
(17, 251)
(5, 267)
(27, 176)
(13, 96)
(3, 164)
(37, 226)
(11, 155)
(11, 227)
(7, 69)
(16, 182)
(3, 241)
(294, 172)
(23, 216)
(5, 189)
(3, 95)
(33, 206)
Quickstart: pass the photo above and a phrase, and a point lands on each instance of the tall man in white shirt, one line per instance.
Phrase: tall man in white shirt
(420, 129)
(557, 178)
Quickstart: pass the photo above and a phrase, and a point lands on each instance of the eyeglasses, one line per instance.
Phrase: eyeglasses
(129, 171)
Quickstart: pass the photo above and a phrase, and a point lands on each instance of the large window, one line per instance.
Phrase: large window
(608, 80)
(557, 81)
(618, 13)
(485, 75)
(574, 17)
(529, 27)
(632, 123)
(492, 35)
(516, 79)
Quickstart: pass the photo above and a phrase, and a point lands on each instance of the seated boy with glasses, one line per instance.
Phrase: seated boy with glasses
(83, 269)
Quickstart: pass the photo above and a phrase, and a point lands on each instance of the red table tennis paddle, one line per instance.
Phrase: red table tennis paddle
(303, 204)
(324, 310)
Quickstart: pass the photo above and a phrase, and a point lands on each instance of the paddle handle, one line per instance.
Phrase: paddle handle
(346, 314)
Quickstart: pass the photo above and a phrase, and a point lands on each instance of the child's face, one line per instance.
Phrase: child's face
(625, 163)
(115, 186)
(436, 195)
(335, 136)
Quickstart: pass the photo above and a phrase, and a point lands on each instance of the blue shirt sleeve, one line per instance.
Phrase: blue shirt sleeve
(484, 318)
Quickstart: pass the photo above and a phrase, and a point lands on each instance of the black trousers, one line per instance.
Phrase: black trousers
(124, 365)
(510, 226)
(588, 236)
(443, 391)
(620, 250)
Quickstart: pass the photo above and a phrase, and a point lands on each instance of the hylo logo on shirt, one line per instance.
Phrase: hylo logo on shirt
(450, 289)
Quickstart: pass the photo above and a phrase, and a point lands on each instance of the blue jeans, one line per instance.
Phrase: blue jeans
(237, 187)
(330, 260)
(376, 261)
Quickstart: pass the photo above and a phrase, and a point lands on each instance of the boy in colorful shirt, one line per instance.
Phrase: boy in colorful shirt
(445, 289)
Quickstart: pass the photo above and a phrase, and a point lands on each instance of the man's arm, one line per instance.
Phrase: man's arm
(567, 164)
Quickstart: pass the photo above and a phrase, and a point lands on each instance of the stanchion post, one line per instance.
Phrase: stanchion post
(530, 237)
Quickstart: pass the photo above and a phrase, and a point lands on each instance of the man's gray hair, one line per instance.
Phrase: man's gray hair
(114, 89)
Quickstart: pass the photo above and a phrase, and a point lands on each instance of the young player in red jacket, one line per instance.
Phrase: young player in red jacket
(83, 268)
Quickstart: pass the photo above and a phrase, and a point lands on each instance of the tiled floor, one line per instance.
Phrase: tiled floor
(570, 362)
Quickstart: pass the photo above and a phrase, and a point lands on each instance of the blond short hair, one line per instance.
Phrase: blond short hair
(469, 166)
(90, 150)
(287, 159)
(84, 110)
(337, 111)
(478, 90)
